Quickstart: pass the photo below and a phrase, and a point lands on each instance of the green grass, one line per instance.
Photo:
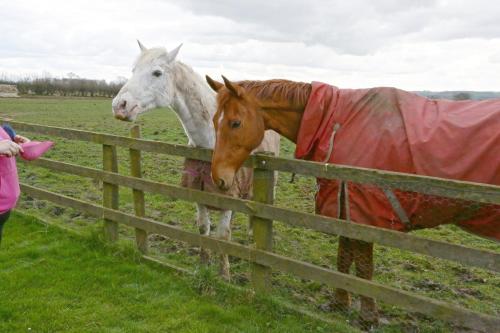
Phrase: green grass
(53, 281)
(469, 287)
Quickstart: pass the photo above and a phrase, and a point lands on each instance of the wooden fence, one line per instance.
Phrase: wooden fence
(263, 212)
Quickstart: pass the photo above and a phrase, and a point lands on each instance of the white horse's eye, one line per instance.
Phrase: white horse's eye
(157, 73)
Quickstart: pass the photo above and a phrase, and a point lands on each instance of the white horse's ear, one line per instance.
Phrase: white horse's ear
(173, 54)
(142, 47)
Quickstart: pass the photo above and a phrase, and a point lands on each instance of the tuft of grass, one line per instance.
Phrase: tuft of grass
(205, 280)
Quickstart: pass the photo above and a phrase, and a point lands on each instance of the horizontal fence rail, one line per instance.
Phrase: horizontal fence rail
(468, 256)
(484, 193)
(407, 300)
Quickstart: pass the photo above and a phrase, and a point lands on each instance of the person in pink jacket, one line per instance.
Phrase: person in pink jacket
(10, 146)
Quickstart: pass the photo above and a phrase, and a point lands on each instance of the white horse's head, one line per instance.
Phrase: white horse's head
(150, 86)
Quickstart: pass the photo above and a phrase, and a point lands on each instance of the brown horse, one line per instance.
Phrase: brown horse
(246, 109)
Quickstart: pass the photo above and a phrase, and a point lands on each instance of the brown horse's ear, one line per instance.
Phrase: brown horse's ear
(213, 84)
(233, 88)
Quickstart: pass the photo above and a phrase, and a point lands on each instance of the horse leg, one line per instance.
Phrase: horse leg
(203, 222)
(224, 232)
(344, 261)
(363, 257)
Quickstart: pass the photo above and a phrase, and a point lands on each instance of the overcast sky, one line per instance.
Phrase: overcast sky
(410, 44)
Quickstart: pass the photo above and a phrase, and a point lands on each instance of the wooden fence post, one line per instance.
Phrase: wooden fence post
(141, 236)
(263, 191)
(110, 192)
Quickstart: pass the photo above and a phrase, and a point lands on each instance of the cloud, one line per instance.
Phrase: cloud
(356, 26)
(413, 66)
(359, 43)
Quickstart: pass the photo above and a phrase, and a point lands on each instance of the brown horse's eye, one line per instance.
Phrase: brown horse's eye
(157, 73)
(235, 124)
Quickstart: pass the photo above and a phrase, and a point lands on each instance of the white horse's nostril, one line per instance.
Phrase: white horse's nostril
(123, 105)
(120, 114)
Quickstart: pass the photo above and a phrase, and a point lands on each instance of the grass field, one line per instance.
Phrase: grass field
(473, 288)
(53, 281)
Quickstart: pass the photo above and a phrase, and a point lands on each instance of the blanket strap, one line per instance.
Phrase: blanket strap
(339, 199)
(343, 187)
(336, 127)
(396, 205)
(346, 198)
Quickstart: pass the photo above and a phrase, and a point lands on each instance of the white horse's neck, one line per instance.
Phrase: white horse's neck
(194, 104)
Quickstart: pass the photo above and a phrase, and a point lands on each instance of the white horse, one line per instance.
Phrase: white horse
(158, 80)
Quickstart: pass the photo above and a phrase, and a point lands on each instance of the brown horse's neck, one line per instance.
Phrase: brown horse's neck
(282, 104)
(283, 121)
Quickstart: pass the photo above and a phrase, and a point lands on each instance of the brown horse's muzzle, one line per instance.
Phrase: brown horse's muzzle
(223, 179)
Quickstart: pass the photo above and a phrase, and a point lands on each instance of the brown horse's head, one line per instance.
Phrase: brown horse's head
(239, 129)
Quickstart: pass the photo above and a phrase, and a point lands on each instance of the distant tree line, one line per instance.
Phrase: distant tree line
(457, 96)
(72, 85)
(460, 95)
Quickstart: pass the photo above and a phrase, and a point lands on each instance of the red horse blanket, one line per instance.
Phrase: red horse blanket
(395, 130)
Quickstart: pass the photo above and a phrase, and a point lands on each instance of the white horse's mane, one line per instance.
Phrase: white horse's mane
(189, 82)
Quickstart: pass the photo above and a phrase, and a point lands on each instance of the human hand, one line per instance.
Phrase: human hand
(21, 139)
(10, 148)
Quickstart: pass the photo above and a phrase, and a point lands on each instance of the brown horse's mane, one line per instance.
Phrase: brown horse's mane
(296, 93)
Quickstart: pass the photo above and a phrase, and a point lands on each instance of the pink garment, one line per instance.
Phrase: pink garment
(34, 149)
(9, 184)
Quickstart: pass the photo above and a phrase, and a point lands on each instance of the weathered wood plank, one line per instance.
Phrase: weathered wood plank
(406, 300)
(484, 193)
(114, 140)
(263, 191)
(110, 196)
(141, 236)
(465, 255)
